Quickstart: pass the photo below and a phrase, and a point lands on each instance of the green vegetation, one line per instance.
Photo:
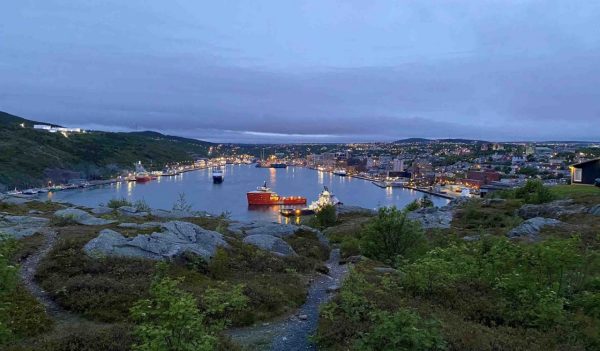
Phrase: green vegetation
(533, 192)
(116, 203)
(325, 217)
(20, 314)
(391, 237)
(31, 157)
(423, 202)
(170, 319)
(486, 294)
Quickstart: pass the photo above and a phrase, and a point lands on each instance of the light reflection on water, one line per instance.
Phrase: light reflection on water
(230, 196)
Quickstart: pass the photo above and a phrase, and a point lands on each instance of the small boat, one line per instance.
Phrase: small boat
(290, 211)
(340, 172)
(14, 192)
(43, 190)
(278, 165)
(56, 188)
(217, 175)
(30, 191)
(265, 196)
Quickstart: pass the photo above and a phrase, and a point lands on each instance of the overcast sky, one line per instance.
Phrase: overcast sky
(330, 71)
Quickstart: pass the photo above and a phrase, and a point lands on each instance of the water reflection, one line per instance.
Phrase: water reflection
(230, 196)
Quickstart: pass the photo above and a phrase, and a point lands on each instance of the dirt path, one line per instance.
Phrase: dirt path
(292, 333)
(27, 271)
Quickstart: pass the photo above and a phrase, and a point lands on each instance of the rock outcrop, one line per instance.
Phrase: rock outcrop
(81, 217)
(175, 214)
(346, 209)
(433, 217)
(130, 211)
(554, 209)
(21, 226)
(101, 210)
(147, 225)
(176, 238)
(264, 228)
(530, 229)
(273, 244)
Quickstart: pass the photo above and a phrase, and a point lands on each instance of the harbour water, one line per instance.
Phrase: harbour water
(230, 196)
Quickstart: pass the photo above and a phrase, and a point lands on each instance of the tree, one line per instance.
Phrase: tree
(391, 235)
(170, 320)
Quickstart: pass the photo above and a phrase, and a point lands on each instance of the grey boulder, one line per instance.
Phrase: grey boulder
(432, 217)
(21, 226)
(175, 214)
(262, 227)
(595, 210)
(273, 244)
(81, 217)
(554, 209)
(175, 239)
(130, 211)
(146, 225)
(530, 229)
(101, 210)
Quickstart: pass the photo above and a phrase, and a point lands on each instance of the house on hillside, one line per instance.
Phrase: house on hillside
(585, 172)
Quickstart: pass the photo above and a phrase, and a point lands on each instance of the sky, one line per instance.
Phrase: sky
(306, 71)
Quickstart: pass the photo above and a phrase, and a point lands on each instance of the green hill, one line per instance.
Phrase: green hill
(31, 157)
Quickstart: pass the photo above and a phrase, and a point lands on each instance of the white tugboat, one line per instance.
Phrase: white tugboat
(326, 198)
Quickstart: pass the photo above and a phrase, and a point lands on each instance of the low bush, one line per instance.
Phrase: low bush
(391, 236)
(116, 203)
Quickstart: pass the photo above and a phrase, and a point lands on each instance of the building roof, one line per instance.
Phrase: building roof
(586, 162)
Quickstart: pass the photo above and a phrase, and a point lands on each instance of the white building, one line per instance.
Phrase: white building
(398, 165)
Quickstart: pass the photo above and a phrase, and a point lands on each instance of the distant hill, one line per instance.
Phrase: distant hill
(30, 157)
(8, 120)
(426, 141)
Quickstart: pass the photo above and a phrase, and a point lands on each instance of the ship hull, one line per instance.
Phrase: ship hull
(265, 199)
(217, 179)
(143, 179)
(278, 165)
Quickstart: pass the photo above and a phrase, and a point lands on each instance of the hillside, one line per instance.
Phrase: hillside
(31, 157)
(425, 141)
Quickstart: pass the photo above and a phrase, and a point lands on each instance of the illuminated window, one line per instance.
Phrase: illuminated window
(577, 175)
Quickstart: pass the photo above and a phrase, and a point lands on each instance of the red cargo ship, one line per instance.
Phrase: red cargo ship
(265, 196)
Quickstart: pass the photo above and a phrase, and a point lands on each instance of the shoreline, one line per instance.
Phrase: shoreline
(374, 180)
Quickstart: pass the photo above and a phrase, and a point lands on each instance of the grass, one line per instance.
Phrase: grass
(584, 194)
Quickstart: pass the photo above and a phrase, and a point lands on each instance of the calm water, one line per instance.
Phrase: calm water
(230, 196)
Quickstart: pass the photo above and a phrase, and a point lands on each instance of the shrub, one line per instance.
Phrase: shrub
(325, 217)
(182, 204)
(170, 320)
(534, 192)
(142, 206)
(391, 235)
(413, 206)
(116, 203)
(401, 330)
